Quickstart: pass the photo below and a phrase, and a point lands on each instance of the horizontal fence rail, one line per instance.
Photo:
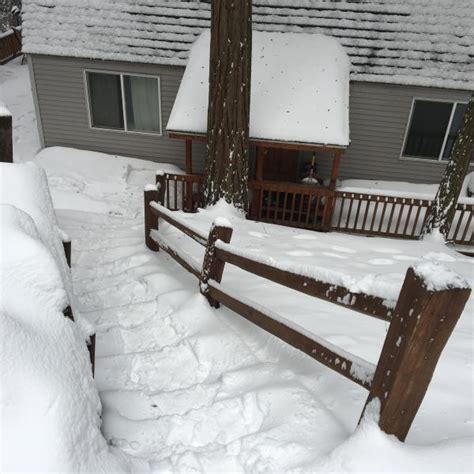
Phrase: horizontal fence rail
(319, 208)
(421, 320)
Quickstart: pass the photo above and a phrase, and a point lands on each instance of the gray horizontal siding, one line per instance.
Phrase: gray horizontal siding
(62, 106)
(378, 119)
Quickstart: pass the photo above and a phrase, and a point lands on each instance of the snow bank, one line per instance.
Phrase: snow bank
(50, 407)
(4, 112)
(299, 91)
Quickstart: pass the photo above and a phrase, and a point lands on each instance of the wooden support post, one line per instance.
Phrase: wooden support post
(188, 205)
(421, 325)
(213, 267)
(335, 169)
(6, 138)
(151, 221)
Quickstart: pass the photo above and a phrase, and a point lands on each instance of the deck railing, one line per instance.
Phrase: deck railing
(421, 321)
(319, 208)
(391, 216)
(10, 45)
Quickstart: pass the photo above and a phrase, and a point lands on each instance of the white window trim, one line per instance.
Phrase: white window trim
(439, 160)
(125, 129)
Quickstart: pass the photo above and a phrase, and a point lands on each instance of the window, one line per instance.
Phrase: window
(433, 129)
(124, 102)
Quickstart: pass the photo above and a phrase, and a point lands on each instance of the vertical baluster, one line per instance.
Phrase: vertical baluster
(374, 215)
(410, 210)
(183, 198)
(260, 207)
(356, 220)
(390, 217)
(285, 201)
(366, 213)
(277, 203)
(300, 211)
(343, 200)
(466, 230)
(400, 216)
(293, 199)
(417, 216)
(348, 218)
(384, 208)
(269, 203)
(316, 212)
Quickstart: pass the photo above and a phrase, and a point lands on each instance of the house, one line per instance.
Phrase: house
(106, 75)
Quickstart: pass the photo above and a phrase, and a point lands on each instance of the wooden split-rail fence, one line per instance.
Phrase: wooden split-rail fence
(421, 322)
(319, 208)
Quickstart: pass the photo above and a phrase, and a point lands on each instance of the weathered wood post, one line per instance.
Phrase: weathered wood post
(6, 136)
(151, 220)
(423, 320)
(212, 267)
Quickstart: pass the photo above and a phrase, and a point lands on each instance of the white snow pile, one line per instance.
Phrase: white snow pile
(49, 405)
(299, 91)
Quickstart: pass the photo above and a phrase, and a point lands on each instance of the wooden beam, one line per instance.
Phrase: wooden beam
(267, 143)
(309, 346)
(370, 305)
(189, 156)
(335, 169)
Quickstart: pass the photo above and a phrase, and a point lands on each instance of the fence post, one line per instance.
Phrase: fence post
(161, 187)
(212, 267)
(6, 138)
(421, 325)
(151, 221)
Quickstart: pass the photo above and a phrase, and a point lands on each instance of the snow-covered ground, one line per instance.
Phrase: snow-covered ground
(190, 388)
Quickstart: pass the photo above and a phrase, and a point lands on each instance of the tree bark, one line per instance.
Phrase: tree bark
(444, 204)
(229, 103)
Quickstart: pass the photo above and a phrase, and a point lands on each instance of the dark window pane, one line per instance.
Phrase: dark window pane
(454, 129)
(142, 103)
(427, 129)
(105, 100)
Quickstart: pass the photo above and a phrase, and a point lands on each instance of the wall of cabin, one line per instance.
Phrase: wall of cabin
(378, 119)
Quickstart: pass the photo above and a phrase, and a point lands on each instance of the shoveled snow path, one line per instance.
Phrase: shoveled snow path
(183, 385)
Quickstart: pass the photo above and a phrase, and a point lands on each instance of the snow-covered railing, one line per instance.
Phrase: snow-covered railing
(10, 45)
(422, 319)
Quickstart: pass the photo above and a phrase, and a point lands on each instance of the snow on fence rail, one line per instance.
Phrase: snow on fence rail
(421, 321)
(319, 208)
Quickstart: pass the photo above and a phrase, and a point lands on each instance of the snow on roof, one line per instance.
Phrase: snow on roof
(417, 42)
(299, 93)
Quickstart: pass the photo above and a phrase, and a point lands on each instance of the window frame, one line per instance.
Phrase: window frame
(122, 94)
(446, 133)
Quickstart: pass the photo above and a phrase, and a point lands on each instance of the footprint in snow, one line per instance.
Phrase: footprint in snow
(258, 234)
(299, 253)
(381, 261)
(305, 237)
(342, 249)
(386, 250)
(335, 255)
(406, 257)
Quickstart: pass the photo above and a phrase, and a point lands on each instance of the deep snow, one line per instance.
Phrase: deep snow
(189, 388)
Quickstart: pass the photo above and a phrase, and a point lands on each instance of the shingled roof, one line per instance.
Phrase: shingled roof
(416, 42)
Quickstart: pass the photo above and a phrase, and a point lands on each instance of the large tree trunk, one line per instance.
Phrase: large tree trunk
(229, 103)
(444, 205)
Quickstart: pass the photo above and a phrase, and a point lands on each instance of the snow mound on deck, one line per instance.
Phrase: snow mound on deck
(50, 407)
